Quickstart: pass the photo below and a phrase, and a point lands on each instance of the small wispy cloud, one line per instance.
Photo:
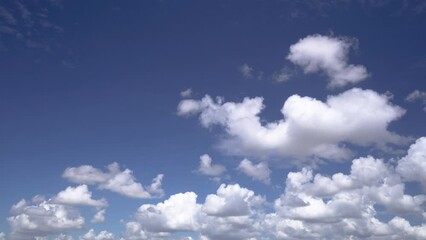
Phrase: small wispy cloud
(186, 93)
(246, 71)
(417, 96)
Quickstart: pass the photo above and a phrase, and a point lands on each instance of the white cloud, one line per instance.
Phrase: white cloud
(43, 220)
(2, 236)
(259, 172)
(328, 55)
(99, 217)
(413, 166)
(207, 168)
(64, 237)
(122, 182)
(186, 93)
(309, 127)
(417, 95)
(178, 213)
(246, 70)
(79, 195)
(91, 235)
(231, 200)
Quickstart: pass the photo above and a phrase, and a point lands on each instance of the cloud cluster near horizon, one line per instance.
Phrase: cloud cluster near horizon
(336, 206)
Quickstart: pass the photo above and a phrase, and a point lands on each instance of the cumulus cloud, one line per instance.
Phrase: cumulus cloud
(42, 220)
(313, 206)
(309, 127)
(350, 205)
(413, 166)
(328, 55)
(258, 172)
(103, 235)
(79, 195)
(283, 75)
(417, 95)
(178, 213)
(207, 168)
(116, 180)
(228, 214)
(231, 200)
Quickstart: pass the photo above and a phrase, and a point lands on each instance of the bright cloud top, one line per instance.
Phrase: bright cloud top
(328, 55)
(309, 128)
(122, 182)
(79, 195)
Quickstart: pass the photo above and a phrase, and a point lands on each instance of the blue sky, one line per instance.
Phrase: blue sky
(212, 119)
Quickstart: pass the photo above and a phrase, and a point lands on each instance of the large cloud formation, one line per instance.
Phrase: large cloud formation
(370, 201)
(313, 206)
(309, 128)
(327, 55)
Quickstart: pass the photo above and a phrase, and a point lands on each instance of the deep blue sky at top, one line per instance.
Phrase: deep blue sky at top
(104, 86)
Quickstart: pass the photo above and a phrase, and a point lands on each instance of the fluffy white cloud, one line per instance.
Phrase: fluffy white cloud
(178, 213)
(231, 200)
(246, 70)
(327, 55)
(122, 182)
(413, 166)
(43, 220)
(309, 127)
(91, 235)
(79, 195)
(258, 172)
(207, 168)
(2, 236)
(99, 217)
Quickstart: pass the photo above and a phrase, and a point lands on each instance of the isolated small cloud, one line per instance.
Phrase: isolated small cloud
(246, 70)
(258, 172)
(186, 93)
(413, 166)
(116, 180)
(79, 195)
(283, 75)
(419, 96)
(207, 168)
(327, 55)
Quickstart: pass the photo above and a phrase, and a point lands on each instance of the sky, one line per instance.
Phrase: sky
(196, 120)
